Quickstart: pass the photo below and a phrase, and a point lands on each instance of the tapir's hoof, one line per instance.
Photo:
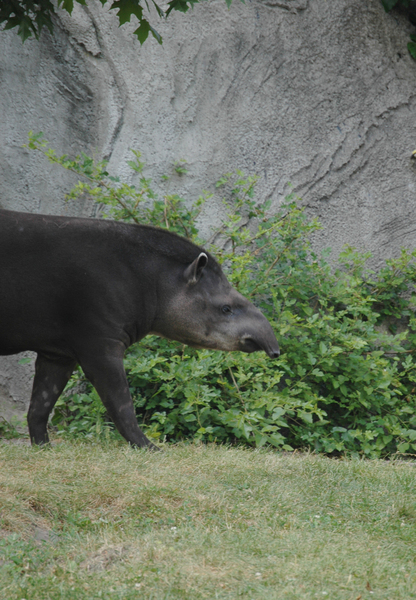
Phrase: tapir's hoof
(149, 446)
(41, 444)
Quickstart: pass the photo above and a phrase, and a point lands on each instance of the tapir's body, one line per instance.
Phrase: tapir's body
(83, 290)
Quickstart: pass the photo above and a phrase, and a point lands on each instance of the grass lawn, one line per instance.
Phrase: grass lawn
(91, 521)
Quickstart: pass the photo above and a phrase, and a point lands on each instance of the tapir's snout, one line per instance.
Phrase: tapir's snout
(274, 353)
(265, 341)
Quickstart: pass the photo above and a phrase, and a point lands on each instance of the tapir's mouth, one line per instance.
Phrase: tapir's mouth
(250, 345)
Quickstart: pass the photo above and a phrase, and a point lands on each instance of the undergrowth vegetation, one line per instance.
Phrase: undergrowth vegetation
(346, 379)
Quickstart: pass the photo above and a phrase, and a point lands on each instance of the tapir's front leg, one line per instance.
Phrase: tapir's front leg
(51, 376)
(106, 373)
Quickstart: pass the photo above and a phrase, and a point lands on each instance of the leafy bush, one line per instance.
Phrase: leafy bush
(8, 429)
(346, 379)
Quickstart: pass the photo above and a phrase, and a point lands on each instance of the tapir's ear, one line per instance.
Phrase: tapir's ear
(194, 271)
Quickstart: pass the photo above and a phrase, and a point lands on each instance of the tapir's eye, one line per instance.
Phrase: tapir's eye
(227, 310)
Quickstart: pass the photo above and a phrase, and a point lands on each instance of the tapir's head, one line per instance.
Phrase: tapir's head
(200, 308)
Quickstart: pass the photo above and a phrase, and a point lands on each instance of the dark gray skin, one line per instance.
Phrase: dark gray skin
(81, 291)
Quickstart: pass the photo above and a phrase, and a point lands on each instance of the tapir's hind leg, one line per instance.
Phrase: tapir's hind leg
(51, 376)
(106, 373)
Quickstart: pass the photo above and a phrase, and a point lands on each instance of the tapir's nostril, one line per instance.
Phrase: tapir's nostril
(274, 354)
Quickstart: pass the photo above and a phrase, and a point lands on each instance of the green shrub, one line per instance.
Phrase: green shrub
(346, 378)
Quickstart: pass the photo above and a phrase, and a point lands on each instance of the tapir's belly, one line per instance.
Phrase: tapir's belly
(22, 330)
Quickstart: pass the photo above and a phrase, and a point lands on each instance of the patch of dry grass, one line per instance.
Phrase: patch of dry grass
(92, 521)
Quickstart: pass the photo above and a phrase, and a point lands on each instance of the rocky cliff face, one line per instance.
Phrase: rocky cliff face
(319, 94)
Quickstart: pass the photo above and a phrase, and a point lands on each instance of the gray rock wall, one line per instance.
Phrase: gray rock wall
(319, 94)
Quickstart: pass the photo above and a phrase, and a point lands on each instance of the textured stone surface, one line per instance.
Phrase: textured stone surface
(319, 94)
(15, 385)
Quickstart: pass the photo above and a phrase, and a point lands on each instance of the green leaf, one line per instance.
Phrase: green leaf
(404, 447)
(190, 418)
(180, 5)
(24, 24)
(305, 416)
(127, 8)
(67, 5)
(142, 32)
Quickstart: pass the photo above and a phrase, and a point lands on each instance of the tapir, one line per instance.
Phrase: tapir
(81, 291)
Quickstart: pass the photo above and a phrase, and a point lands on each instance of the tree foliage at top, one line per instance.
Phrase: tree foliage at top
(30, 16)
